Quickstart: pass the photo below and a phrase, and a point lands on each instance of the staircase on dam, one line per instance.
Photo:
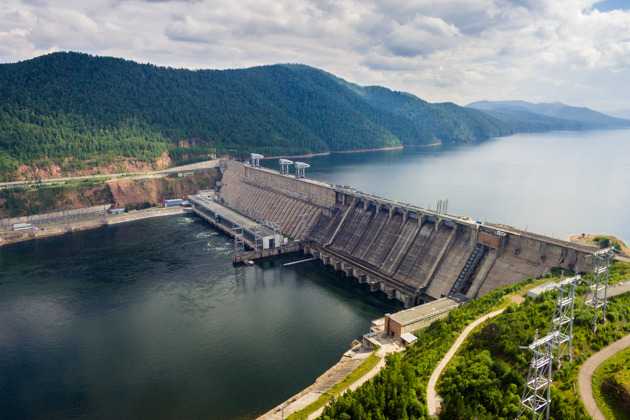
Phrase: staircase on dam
(408, 253)
(463, 281)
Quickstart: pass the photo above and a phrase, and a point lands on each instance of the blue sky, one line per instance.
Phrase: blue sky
(609, 5)
(572, 51)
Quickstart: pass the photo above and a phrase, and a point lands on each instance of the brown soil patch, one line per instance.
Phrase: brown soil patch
(128, 165)
(128, 191)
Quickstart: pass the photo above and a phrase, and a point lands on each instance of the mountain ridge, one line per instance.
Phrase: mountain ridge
(549, 114)
(82, 112)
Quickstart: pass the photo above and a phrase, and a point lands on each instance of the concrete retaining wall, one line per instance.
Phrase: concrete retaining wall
(319, 193)
(283, 200)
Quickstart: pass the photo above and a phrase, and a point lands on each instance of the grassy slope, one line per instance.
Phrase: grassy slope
(611, 385)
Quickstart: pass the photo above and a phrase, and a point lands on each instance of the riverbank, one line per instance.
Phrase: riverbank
(310, 155)
(350, 361)
(589, 240)
(61, 228)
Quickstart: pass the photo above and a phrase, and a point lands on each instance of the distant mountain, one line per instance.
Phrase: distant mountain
(83, 112)
(621, 113)
(526, 116)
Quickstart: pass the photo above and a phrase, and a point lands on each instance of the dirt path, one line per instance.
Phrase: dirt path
(585, 376)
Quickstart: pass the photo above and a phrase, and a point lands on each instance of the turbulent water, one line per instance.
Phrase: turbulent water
(150, 319)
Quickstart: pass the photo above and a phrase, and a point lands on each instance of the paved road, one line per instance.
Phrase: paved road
(585, 376)
(433, 399)
(618, 288)
(214, 163)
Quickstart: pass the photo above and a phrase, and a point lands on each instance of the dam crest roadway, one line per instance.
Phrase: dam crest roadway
(409, 253)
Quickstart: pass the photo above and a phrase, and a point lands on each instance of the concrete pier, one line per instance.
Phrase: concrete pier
(291, 248)
(234, 224)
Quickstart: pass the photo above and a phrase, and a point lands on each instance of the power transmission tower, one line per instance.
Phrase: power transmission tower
(554, 346)
(537, 392)
(562, 318)
(598, 285)
(276, 227)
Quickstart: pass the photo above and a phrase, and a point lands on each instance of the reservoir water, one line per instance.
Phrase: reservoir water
(150, 319)
(558, 183)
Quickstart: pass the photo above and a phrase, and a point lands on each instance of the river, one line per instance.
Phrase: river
(150, 319)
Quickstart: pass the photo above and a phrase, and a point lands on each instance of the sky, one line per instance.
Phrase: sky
(572, 51)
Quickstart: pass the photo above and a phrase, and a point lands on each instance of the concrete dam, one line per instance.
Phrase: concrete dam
(409, 253)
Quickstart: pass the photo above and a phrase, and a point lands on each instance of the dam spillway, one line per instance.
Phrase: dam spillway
(409, 253)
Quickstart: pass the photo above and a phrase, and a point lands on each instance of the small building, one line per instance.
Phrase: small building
(116, 211)
(173, 203)
(20, 226)
(419, 317)
(408, 338)
(539, 290)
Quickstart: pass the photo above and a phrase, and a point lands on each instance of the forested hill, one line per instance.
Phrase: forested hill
(79, 112)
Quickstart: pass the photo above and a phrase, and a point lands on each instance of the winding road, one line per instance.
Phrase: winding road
(433, 399)
(585, 376)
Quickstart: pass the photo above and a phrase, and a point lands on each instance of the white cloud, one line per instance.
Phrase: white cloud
(447, 50)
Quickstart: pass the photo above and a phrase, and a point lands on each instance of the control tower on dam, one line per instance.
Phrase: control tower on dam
(409, 253)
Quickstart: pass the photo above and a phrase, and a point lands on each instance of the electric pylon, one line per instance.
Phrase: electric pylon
(537, 392)
(562, 318)
(598, 285)
(258, 236)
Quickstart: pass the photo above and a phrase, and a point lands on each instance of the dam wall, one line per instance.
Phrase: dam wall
(268, 197)
(409, 253)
